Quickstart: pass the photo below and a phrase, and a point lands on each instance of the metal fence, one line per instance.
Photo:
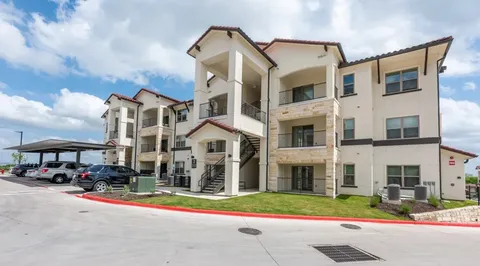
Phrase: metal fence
(147, 147)
(305, 139)
(149, 122)
(292, 96)
(113, 134)
(253, 112)
(209, 110)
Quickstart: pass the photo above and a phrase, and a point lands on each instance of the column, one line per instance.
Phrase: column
(262, 175)
(110, 121)
(122, 125)
(330, 186)
(78, 156)
(198, 152)
(57, 156)
(330, 80)
(199, 89)
(234, 108)
(160, 116)
(121, 156)
(232, 166)
(40, 159)
(264, 95)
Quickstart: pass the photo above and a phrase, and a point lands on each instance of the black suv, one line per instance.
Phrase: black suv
(99, 176)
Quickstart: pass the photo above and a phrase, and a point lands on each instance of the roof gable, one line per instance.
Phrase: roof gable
(156, 94)
(213, 123)
(122, 97)
(308, 42)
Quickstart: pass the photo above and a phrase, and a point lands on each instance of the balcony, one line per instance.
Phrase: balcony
(305, 139)
(149, 122)
(210, 110)
(303, 93)
(254, 112)
(147, 148)
(216, 146)
(113, 134)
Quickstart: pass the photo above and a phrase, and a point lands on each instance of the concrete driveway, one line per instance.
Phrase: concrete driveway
(41, 226)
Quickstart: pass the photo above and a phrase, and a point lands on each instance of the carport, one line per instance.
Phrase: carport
(58, 146)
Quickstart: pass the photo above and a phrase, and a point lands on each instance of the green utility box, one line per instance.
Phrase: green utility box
(142, 184)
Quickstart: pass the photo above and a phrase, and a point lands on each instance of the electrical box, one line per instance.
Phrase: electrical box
(142, 184)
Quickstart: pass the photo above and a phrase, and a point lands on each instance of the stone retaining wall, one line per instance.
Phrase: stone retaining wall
(461, 215)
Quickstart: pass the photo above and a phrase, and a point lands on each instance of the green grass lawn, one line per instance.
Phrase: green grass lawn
(277, 203)
(458, 204)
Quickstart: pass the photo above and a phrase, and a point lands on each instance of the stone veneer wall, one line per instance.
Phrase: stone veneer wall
(328, 155)
(461, 215)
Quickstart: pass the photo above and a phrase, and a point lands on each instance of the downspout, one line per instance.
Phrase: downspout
(174, 135)
(439, 129)
(136, 140)
(268, 129)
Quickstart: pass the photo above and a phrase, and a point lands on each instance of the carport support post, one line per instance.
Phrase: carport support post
(40, 159)
(78, 156)
(57, 156)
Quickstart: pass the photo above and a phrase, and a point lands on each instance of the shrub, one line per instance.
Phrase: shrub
(404, 209)
(470, 179)
(374, 201)
(433, 201)
(153, 191)
(109, 189)
(126, 190)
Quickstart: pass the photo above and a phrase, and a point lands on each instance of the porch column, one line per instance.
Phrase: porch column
(122, 125)
(264, 93)
(110, 121)
(234, 108)
(160, 116)
(78, 156)
(57, 156)
(330, 175)
(330, 80)
(40, 159)
(198, 151)
(262, 175)
(199, 92)
(121, 156)
(232, 165)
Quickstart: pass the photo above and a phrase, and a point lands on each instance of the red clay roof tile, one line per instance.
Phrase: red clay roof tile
(214, 123)
(459, 151)
(123, 97)
(157, 94)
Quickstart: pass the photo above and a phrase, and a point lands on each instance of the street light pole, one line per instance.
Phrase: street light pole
(21, 142)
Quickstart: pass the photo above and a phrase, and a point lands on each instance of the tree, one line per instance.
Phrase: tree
(471, 179)
(19, 157)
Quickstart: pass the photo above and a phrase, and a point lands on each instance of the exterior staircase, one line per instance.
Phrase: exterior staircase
(213, 179)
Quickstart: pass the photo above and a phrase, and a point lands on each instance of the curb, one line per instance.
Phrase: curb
(274, 216)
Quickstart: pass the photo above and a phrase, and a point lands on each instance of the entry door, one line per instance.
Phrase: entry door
(163, 169)
(302, 136)
(302, 178)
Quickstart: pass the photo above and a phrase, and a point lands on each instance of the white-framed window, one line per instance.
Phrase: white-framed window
(349, 128)
(403, 127)
(182, 115)
(349, 175)
(404, 175)
(348, 84)
(404, 80)
(180, 167)
(180, 141)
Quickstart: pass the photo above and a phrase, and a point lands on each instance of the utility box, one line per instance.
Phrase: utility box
(142, 184)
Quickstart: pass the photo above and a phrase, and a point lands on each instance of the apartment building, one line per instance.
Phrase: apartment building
(296, 116)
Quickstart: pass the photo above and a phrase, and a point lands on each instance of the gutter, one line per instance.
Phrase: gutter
(174, 140)
(136, 140)
(439, 129)
(268, 130)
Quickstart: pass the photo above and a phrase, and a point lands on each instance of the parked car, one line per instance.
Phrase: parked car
(57, 171)
(21, 169)
(32, 172)
(100, 176)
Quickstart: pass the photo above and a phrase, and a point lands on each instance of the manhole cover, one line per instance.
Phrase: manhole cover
(351, 226)
(82, 211)
(345, 253)
(250, 231)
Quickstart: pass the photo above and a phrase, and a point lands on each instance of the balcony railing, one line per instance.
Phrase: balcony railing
(113, 134)
(305, 93)
(147, 148)
(253, 112)
(149, 122)
(208, 110)
(213, 147)
(164, 149)
(305, 139)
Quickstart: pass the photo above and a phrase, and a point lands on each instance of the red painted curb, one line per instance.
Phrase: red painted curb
(267, 215)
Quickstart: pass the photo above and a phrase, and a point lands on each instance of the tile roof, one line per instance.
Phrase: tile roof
(123, 97)
(189, 102)
(239, 31)
(214, 123)
(157, 94)
(262, 43)
(473, 155)
(448, 39)
(104, 114)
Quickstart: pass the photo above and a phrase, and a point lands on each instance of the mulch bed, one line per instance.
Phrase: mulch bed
(118, 195)
(416, 207)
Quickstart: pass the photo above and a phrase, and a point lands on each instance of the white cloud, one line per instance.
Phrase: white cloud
(137, 39)
(469, 86)
(3, 86)
(446, 90)
(67, 111)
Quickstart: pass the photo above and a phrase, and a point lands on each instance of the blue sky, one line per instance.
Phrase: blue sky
(60, 59)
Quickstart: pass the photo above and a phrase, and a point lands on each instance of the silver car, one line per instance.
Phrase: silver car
(57, 171)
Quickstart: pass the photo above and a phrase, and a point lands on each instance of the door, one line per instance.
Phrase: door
(302, 136)
(70, 169)
(302, 178)
(115, 178)
(163, 169)
(125, 174)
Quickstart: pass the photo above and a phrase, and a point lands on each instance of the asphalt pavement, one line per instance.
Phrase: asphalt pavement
(39, 225)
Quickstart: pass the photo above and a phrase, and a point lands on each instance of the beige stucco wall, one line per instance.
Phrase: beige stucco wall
(362, 157)
(453, 176)
(249, 173)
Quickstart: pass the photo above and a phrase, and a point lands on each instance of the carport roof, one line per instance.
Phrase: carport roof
(57, 145)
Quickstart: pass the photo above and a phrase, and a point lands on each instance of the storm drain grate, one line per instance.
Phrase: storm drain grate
(345, 253)
(250, 231)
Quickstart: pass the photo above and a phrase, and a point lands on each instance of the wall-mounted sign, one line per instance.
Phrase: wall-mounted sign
(194, 163)
(451, 162)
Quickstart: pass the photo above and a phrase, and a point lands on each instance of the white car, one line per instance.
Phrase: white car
(31, 173)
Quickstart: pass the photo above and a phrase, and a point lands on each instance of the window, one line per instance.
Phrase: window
(405, 176)
(94, 168)
(303, 93)
(182, 115)
(348, 84)
(302, 136)
(70, 166)
(402, 127)
(180, 141)
(349, 175)
(349, 128)
(401, 81)
(53, 165)
(179, 167)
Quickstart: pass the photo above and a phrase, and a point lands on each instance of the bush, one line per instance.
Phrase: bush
(470, 179)
(404, 209)
(126, 190)
(374, 201)
(433, 201)
(109, 189)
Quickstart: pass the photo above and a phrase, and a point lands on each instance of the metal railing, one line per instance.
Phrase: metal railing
(216, 148)
(129, 134)
(306, 139)
(285, 184)
(292, 96)
(253, 112)
(164, 149)
(209, 110)
(113, 134)
(149, 122)
(147, 148)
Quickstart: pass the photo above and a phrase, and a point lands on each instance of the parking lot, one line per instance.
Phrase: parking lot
(32, 182)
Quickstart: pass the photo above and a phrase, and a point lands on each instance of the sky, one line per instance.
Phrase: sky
(60, 59)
